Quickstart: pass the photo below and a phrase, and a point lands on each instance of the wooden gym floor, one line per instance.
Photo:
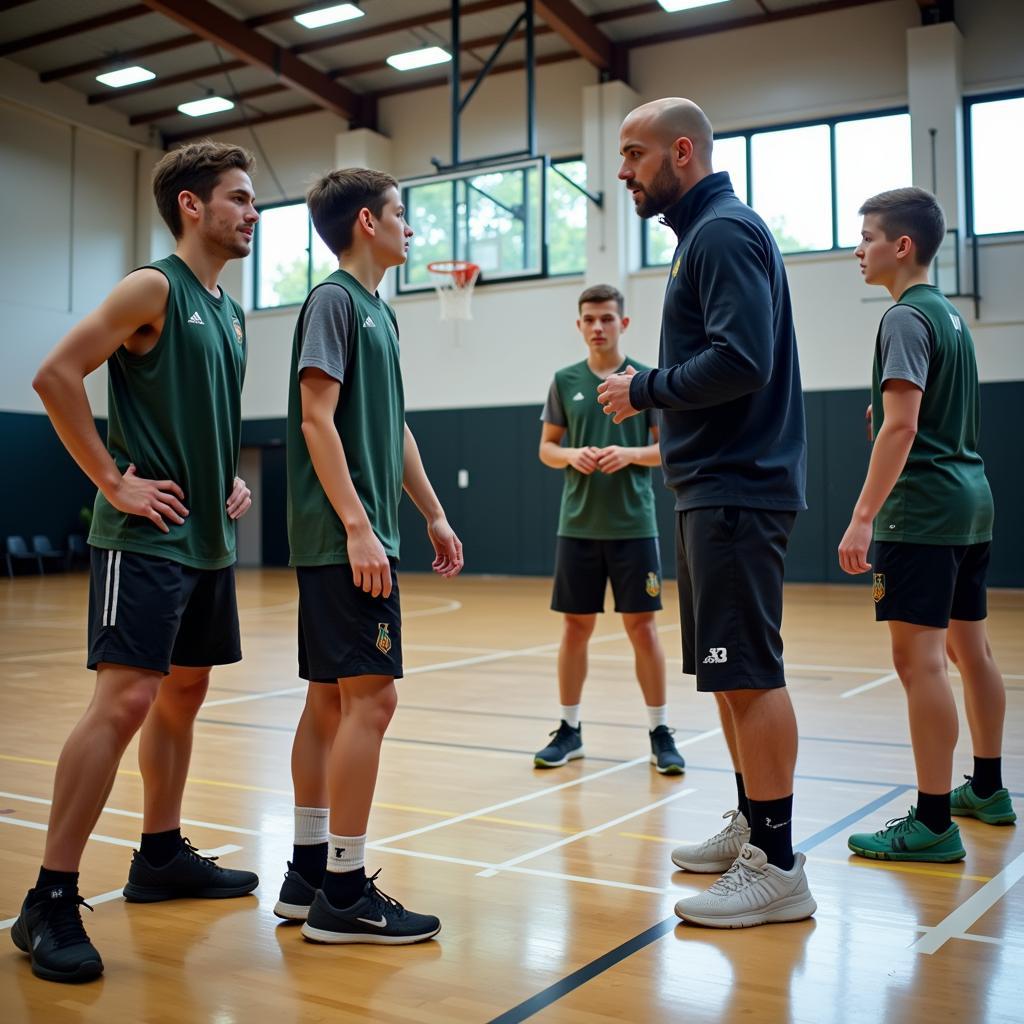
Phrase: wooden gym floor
(555, 888)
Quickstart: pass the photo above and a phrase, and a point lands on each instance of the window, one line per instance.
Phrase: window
(995, 138)
(567, 217)
(808, 181)
(290, 256)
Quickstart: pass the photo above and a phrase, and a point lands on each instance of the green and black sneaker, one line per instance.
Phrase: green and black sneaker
(993, 810)
(907, 839)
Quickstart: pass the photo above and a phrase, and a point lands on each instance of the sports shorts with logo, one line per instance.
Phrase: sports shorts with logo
(730, 564)
(929, 584)
(583, 568)
(343, 631)
(152, 613)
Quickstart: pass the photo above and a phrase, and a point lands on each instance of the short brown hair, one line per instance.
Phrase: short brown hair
(195, 168)
(335, 201)
(602, 293)
(914, 212)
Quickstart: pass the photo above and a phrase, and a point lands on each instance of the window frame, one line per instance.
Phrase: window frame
(970, 102)
(549, 164)
(749, 133)
(257, 245)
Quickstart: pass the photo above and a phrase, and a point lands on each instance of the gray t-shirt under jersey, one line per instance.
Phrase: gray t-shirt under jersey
(327, 331)
(906, 346)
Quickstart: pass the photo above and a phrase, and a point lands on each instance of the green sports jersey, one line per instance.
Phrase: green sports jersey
(176, 414)
(370, 419)
(942, 496)
(601, 506)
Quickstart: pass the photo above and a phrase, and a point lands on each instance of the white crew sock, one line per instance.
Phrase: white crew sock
(310, 826)
(657, 716)
(571, 715)
(345, 853)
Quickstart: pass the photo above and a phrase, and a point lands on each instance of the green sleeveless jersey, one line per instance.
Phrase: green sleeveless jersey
(176, 414)
(942, 496)
(370, 419)
(601, 506)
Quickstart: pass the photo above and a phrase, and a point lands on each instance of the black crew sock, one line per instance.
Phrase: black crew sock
(741, 798)
(310, 862)
(771, 829)
(343, 888)
(160, 848)
(67, 880)
(933, 811)
(987, 777)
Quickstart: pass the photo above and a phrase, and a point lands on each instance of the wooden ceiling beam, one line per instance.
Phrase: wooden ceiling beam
(72, 29)
(579, 32)
(159, 83)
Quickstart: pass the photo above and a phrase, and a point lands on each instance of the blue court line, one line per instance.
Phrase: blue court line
(543, 999)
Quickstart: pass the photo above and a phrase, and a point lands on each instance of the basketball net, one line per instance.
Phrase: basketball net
(454, 281)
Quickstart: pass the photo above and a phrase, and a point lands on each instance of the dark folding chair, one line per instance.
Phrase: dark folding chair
(17, 551)
(45, 550)
(78, 550)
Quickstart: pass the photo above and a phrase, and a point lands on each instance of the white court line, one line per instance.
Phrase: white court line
(585, 833)
(135, 814)
(881, 681)
(970, 910)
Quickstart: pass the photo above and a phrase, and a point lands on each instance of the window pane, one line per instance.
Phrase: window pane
(567, 219)
(791, 173)
(661, 242)
(429, 212)
(502, 219)
(872, 156)
(283, 269)
(731, 155)
(997, 152)
(324, 261)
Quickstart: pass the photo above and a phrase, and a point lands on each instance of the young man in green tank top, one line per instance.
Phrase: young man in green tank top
(350, 455)
(606, 529)
(162, 597)
(931, 508)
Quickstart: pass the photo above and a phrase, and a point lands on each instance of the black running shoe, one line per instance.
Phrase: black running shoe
(567, 745)
(374, 917)
(664, 755)
(50, 930)
(296, 896)
(189, 874)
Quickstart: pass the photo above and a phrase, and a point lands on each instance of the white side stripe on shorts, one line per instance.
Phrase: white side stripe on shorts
(113, 582)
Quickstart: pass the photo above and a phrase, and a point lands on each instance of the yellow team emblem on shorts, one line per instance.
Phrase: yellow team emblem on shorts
(878, 586)
(383, 639)
(676, 265)
(653, 585)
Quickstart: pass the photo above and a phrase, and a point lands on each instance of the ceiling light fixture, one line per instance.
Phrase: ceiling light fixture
(125, 76)
(329, 15)
(211, 105)
(419, 58)
(673, 6)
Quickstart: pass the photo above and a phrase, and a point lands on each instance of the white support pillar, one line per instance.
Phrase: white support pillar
(612, 246)
(935, 92)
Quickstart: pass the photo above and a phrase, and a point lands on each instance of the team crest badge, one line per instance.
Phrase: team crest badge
(676, 265)
(653, 585)
(878, 586)
(383, 638)
(236, 323)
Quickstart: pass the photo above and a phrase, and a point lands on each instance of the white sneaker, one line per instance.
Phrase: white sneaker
(752, 892)
(716, 854)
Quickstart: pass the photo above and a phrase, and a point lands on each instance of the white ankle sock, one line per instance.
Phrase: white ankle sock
(310, 826)
(345, 853)
(571, 715)
(657, 716)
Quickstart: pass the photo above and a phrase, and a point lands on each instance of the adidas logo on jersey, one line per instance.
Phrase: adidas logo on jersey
(578, 397)
(957, 326)
(368, 322)
(196, 319)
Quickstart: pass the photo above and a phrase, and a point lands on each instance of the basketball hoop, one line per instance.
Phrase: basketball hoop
(454, 281)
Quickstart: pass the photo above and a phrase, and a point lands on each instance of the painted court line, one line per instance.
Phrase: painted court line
(874, 684)
(585, 833)
(972, 909)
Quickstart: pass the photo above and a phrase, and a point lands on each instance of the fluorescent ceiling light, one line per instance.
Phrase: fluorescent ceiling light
(686, 5)
(125, 76)
(419, 58)
(211, 105)
(329, 15)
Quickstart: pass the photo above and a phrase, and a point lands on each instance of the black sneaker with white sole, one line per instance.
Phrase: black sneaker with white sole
(374, 917)
(664, 755)
(566, 745)
(296, 896)
(49, 928)
(188, 874)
